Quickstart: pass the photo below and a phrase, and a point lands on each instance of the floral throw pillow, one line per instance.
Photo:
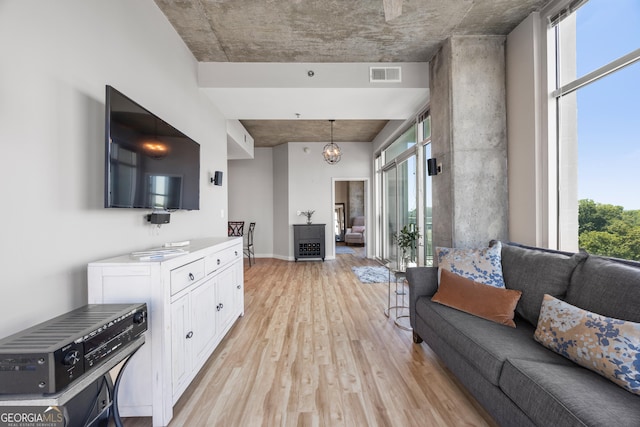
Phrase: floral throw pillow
(481, 265)
(608, 346)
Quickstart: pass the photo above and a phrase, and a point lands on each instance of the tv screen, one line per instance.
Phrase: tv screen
(149, 163)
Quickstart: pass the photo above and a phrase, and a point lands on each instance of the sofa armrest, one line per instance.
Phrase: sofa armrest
(423, 282)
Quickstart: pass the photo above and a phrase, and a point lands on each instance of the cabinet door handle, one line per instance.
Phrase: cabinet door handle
(238, 287)
(219, 306)
(191, 277)
(236, 252)
(190, 334)
(218, 261)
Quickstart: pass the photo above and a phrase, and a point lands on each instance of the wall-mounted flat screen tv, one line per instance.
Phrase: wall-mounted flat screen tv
(149, 163)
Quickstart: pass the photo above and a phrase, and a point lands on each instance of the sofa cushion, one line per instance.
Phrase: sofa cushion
(480, 264)
(536, 273)
(608, 346)
(484, 344)
(606, 287)
(567, 395)
(502, 409)
(357, 229)
(484, 301)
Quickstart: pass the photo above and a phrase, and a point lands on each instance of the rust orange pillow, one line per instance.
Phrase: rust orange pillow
(484, 301)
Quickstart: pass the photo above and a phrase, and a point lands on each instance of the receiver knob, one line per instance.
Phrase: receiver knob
(138, 317)
(71, 358)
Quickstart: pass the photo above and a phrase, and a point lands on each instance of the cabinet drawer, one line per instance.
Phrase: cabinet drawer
(219, 259)
(183, 277)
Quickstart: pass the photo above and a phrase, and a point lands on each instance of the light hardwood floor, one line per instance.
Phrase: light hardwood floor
(314, 349)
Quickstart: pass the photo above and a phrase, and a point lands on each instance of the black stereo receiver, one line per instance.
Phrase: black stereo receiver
(48, 357)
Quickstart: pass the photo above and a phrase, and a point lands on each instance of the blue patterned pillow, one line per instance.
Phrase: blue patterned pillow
(482, 265)
(608, 346)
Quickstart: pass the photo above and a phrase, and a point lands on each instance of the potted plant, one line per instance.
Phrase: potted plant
(308, 214)
(406, 240)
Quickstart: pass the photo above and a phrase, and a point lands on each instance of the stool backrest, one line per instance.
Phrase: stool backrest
(236, 228)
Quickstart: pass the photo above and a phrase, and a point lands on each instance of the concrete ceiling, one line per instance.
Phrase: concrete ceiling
(327, 31)
(275, 132)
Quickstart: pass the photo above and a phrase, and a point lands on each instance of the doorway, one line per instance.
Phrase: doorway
(349, 206)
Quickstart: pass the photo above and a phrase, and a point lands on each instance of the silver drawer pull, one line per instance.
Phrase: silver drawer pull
(191, 276)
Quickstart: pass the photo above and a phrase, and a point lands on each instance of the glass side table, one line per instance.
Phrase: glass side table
(397, 306)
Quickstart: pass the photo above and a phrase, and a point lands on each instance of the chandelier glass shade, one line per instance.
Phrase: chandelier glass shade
(331, 151)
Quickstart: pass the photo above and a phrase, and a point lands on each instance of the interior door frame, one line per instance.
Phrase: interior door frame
(367, 210)
(341, 219)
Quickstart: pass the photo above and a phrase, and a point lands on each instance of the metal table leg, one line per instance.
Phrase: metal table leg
(399, 304)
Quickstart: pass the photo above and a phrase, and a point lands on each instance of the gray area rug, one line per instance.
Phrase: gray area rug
(344, 250)
(373, 274)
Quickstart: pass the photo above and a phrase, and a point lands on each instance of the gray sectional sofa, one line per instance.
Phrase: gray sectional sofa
(517, 380)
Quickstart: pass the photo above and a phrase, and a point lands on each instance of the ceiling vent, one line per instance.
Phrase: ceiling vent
(385, 74)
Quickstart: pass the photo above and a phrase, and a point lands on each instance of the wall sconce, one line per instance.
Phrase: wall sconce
(216, 179)
(432, 167)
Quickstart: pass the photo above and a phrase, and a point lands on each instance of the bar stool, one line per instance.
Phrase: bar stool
(248, 249)
(235, 228)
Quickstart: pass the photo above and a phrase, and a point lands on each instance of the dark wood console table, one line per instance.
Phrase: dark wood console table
(308, 241)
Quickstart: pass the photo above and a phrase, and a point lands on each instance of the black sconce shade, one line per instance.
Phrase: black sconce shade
(217, 178)
(432, 166)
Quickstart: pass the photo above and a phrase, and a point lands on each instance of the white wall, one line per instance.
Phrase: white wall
(251, 197)
(310, 184)
(57, 58)
(280, 201)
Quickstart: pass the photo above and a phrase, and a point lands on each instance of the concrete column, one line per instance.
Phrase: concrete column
(470, 197)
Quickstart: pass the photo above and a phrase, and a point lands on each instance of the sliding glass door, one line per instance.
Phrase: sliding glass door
(389, 214)
(407, 196)
(404, 192)
(400, 197)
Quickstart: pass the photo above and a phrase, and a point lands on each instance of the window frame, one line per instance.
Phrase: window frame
(382, 166)
(559, 168)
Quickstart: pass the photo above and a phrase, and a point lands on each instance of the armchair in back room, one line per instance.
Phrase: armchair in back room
(355, 234)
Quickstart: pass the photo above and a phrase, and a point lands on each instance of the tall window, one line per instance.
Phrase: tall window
(424, 130)
(399, 190)
(597, 92)
(405, 191)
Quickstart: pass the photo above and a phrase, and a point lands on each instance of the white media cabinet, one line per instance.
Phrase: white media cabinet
(193, 300)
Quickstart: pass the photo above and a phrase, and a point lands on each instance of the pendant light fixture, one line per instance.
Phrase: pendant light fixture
(331, 151)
